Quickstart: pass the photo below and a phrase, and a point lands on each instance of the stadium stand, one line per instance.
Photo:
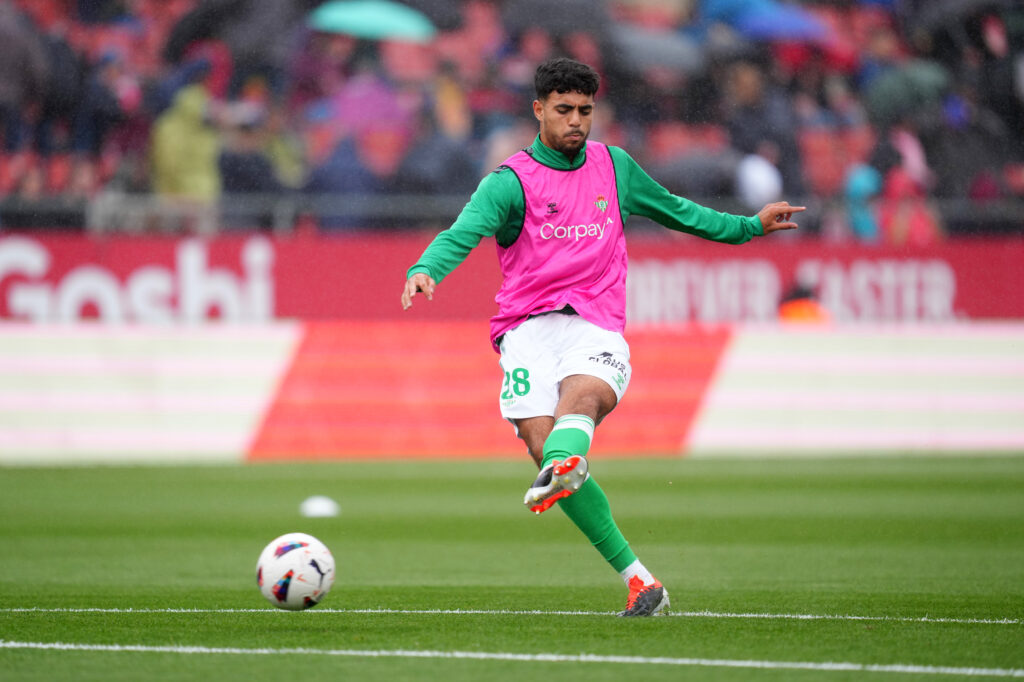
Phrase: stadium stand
(852, 77)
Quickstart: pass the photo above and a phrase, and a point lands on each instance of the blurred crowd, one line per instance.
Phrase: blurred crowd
(874, 109)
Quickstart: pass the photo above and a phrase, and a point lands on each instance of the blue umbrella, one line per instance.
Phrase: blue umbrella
(373, 20)
(782, 22)
(767, 20)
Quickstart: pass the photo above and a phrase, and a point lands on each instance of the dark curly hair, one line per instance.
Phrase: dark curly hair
(562, 74)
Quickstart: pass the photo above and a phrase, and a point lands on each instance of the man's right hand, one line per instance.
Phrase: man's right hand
(418, 282)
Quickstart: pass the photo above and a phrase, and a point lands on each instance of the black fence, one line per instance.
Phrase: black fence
(283, 214)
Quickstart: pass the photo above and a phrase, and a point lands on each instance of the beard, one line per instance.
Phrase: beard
(570, 146)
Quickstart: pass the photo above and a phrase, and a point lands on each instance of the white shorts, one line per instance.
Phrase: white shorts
(543, 350)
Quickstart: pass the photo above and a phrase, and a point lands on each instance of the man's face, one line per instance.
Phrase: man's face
(565, 120)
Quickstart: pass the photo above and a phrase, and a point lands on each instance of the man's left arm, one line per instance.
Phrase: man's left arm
(640, 194)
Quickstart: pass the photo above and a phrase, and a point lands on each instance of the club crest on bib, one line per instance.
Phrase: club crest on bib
(601, 203)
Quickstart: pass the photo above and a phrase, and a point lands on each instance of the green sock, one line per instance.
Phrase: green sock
(588, 507)
(570, 436)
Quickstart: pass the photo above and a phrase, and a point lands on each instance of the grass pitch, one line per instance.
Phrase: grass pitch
(856, 569)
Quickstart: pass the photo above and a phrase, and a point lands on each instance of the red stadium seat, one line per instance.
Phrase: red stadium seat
(670, 140)
(58, 173)
(6, 174)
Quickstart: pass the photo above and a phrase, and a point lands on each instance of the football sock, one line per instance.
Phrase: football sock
(570, 436)
(588, 507)
(638, 570)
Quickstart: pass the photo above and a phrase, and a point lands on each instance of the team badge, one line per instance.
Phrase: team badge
(601, 203)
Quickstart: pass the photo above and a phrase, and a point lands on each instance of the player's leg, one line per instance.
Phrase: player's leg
(535, 388)
(585, 400)
(596, 372)
(534, 431)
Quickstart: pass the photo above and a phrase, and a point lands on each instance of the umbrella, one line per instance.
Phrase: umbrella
(782, 23)
(558, 18)
(236, 22)
(904, 90)
(767, 20)
(373, 19)
(640, 48)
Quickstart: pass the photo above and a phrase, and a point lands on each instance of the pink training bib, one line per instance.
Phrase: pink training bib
(572, 250)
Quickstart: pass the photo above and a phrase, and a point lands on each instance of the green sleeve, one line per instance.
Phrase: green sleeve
(496, 209)
(639, 194)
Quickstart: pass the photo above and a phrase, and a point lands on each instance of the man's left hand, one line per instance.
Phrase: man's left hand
(778, 216)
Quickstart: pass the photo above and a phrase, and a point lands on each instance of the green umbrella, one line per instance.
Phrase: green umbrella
(373, 19)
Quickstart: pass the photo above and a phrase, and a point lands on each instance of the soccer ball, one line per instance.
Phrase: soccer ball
(295, 571)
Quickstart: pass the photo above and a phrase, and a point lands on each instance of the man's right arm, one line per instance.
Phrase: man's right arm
(488, 211)
(491, 208)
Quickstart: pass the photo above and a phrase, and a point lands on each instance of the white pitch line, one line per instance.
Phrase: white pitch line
(827, 666)
(509, 612)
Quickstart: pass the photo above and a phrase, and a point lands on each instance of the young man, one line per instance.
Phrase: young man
(556, 210)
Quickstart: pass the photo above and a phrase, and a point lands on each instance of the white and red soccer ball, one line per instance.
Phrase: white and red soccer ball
(295, 571)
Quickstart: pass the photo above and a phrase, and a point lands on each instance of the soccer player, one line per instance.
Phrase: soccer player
(556, 210)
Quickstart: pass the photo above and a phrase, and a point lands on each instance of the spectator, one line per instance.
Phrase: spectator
(64, 91)
(1002, 75)
(529, 48)
(320, 68)
(905, 217)
(800, 305)
(198, 68)
(183, 156)
(24, 75)
(245, 167)
(504, 141)
(284, 149)
(361, 167)
(913, 160)
(882, 52)
(758, 113)
(102, 106)
(967, 146)
(100, 11)
(758, 180)
(437, 161)
(376, 125)
(343, 178)
(861, 188)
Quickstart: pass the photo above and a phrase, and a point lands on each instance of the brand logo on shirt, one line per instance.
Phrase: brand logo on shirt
(574, 232)
(552, 208)
(601, 203)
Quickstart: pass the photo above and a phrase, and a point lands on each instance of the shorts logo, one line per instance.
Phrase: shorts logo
(608, 360)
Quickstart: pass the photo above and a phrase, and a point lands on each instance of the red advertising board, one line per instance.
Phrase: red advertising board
(673, 278)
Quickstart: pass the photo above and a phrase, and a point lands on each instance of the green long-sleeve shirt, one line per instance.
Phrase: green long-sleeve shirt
(496, 209)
